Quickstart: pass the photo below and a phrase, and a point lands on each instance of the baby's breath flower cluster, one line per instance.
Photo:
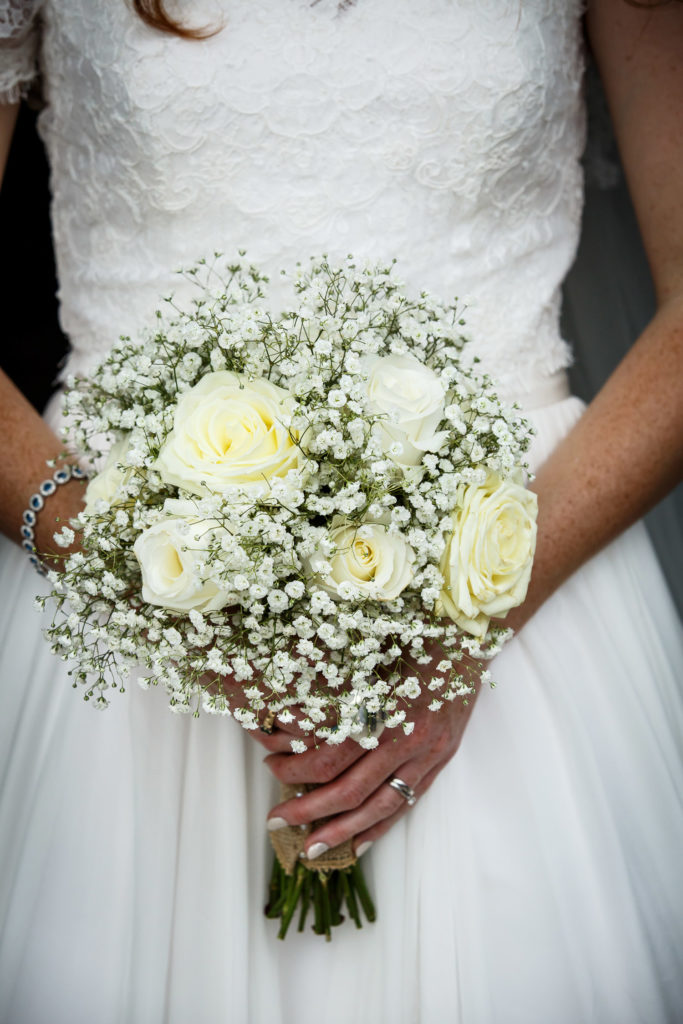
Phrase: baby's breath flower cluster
(277, 521)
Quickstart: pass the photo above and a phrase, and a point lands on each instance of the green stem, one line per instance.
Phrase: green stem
(351, 903)
(275, 889)
(326, 909)
(318, 926)
(292, 900)
(305, 901)
(327, 890)
(334, 890)
(363, 894)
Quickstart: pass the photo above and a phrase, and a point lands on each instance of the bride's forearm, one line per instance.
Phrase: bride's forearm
(624, 454)
(626, 451)
(28, 442)
(29, 445)
(8, 117)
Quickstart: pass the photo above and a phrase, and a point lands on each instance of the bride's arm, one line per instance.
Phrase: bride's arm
(28, 442)
(8, 117)
(622, 456)
(627, 450)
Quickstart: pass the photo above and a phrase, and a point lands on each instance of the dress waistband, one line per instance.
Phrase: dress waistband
(547, 392)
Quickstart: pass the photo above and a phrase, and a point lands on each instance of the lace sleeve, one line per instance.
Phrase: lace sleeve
(18, 47)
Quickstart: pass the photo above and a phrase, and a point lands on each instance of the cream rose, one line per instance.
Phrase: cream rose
(107, 484)
(170, 554)
(369, 558)
(228, 432)
(412, 397)
(487, 562)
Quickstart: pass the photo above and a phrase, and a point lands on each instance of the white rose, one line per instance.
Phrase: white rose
(413, 399)
(107, 484)
(228, 432)
(376, 562)
(170, 554)
(487, 562)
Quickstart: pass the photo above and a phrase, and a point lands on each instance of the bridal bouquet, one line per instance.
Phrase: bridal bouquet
(291, 504)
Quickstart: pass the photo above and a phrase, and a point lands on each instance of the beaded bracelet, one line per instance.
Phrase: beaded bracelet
(36, 503)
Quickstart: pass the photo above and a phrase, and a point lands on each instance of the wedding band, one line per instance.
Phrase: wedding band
(406, 791)
(267, 723)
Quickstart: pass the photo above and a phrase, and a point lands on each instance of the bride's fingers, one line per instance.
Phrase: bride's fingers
(320, 764)
(276, 736)
(346, 791)
(378, 829)
(384, 806)
(349, 790)
(278, 741)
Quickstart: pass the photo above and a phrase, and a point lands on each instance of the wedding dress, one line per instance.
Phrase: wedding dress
(539, 878)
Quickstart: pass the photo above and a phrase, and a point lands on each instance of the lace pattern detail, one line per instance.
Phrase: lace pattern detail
(18, 46)
(445, 133)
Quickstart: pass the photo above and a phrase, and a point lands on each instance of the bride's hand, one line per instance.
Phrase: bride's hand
(276, 736)
(353, 785)
(272, 733)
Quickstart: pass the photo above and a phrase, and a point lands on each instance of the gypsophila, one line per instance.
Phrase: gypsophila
(283, 504)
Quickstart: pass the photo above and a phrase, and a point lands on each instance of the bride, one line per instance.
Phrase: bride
(537, 878)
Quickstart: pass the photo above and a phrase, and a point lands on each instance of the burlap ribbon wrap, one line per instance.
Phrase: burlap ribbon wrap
(288, 842)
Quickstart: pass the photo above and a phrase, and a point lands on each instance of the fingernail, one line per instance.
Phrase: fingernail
(363, 848)
(273, 824)
(316, 850)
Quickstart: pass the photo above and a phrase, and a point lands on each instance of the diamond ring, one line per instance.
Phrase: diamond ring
(370, 723)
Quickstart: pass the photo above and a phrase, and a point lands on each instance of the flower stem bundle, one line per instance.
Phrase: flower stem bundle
(325, 894)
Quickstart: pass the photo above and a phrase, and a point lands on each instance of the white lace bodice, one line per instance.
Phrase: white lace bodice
(446, 133)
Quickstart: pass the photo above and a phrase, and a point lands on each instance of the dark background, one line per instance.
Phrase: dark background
(33, 345)
(608, 298)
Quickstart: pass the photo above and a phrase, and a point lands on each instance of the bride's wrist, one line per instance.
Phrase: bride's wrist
(59, 507)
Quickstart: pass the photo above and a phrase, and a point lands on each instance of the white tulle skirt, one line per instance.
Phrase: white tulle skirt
(539, 879)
